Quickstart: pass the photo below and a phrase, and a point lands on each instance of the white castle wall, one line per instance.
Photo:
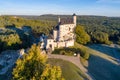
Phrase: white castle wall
(50, 44)
(64, 30)
(55, 44)
(55, 34)
(64, 37)
(69, 43)
(75, 20)
(60, 44)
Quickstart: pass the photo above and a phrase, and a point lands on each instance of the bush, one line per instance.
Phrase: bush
(65, 51)
(81, 36)
(84, 54)
(101, 37)
(70, 52)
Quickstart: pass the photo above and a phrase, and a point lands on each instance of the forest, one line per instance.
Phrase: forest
(95, 26)
(13, 33)
(95, 29)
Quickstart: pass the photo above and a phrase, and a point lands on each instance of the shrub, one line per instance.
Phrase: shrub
(70, 52)
(81, 36)
(84, 53)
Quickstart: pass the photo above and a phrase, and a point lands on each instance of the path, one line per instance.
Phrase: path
(74, 60)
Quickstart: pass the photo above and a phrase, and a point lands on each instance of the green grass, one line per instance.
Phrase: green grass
(69, 70)
(102, 65)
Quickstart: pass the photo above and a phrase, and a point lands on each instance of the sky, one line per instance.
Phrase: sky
(80, 7)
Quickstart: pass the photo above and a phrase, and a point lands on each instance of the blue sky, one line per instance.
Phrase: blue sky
(80, 7)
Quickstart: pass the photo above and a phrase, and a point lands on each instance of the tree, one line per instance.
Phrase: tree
(9, 40)
(81, 36)
(101, 37)
(33, 67)
(51, 73)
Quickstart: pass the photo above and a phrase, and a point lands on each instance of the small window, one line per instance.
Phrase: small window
(50, 45)
(69, 29)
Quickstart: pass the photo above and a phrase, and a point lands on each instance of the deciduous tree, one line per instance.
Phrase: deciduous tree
(33, 66)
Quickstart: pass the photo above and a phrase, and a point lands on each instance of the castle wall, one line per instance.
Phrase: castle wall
(69, 43)
(42, 45)
(64, 37)
(64, 30)
(50, 44)
(55, 44)
(60, 44)
(75, 20)
(64, 44)
(55, 34)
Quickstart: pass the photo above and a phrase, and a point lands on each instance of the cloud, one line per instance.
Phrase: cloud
(108, 1)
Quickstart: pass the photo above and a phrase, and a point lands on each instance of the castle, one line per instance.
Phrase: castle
(62, 36)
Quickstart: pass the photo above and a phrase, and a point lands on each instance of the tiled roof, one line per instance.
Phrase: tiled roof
(66, 21)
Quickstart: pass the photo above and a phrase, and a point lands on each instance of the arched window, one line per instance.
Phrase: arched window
(69, 29)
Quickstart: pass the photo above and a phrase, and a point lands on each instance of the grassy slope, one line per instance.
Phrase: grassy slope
(69, 70)
(101, 64)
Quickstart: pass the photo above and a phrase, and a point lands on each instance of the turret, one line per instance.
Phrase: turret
(74, 19)
(58, 19)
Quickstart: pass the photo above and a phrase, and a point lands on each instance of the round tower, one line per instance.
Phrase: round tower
(74, 19)
(58, 19)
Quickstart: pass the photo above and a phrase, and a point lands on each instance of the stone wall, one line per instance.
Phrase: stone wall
(55, 34)
(64, 30)
(60, 44)
(69, 43)
(50, 44)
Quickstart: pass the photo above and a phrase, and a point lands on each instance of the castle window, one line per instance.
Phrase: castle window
(50, 45)
(69, 29)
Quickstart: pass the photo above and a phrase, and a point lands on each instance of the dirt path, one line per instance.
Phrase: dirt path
(74, 60)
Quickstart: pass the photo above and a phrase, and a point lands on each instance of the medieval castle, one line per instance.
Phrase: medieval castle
(62, 36)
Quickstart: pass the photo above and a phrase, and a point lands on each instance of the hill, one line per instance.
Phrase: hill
(103, 64)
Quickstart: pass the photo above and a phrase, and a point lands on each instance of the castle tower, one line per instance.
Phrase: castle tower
(74, 19)
(58, 19)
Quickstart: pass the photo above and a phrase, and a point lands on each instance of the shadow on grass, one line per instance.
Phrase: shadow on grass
(102, 69)
(111, 51)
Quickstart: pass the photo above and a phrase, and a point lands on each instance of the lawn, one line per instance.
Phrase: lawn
(69, 70)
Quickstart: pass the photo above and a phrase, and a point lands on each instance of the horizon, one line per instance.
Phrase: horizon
(109, 8)
(57, 15)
